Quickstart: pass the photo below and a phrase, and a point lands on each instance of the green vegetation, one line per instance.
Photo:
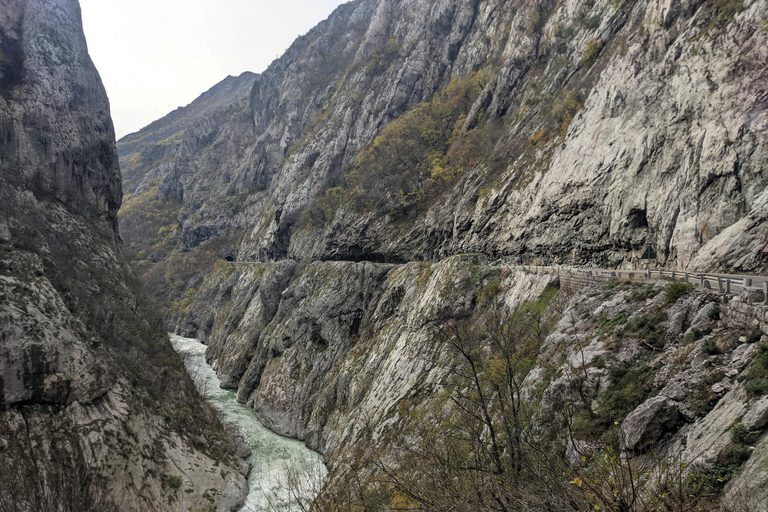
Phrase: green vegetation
(418, 157)
(709, 347)
(172, 482)
(170, 278)
(631, 384)
(703, 396)
(756, 376)
(709, 480)
(148, 224)
(642, 294)
(754, 335)
(565, 108)
(608, 325)
(675, 290)
(592, 51)
(717, 16)
(644, 328)
(742, 436)
(694, 336)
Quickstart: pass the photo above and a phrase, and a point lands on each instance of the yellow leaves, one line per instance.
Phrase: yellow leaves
(565, 108)
(401, 501)
(578, 482)
(538, 136)
(498, 367)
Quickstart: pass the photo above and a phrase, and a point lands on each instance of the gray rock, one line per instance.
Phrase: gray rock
(749, 489)
(81, 352)
(742, 355)
(648, 423)
(612, 179)
(5, 232)
(676, 390)
(757, 416)
(240, 445)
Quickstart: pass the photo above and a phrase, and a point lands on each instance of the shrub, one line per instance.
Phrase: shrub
(173, 482)
(645, 327)
(592, 51)
(537, 137)
(642, 294)
(755, 335)
(631, 384)
(675, 290)
(710, 347)
(756, 376)
(712, 479)
(742, 436)
(565, 108)
(619, 319)
(714, 313)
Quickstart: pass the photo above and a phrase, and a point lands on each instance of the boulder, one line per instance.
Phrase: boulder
(757, 416)
(648, 423)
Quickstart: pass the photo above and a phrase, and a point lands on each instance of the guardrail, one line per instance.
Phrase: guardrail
(721, 283)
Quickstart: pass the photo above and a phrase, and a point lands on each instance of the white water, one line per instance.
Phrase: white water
(276, 460)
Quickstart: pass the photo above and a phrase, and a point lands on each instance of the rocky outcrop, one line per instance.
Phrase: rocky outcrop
(354, 352)
(648, 423)
(82, 354)
(757, 416)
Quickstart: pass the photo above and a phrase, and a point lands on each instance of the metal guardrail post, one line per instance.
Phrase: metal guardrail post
(728, 285)
(702, 280)
(686, 277)
(765, 293)
(673, 275)
(720, 284)
(747, 283)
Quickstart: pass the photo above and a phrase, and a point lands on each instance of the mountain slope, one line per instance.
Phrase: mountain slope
(96, 410)
(398, 136)
(577, 133)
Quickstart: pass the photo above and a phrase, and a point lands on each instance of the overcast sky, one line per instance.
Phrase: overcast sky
(156, 55)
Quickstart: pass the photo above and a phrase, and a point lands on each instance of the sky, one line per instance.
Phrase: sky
(156, 55)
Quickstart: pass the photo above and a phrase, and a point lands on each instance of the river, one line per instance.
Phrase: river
(276, 460)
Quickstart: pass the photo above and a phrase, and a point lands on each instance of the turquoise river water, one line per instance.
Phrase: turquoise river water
(286, 474)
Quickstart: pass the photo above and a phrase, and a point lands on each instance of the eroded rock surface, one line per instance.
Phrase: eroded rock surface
(93, 401)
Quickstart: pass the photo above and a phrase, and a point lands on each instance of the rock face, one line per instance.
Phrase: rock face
(347, 355)
(596, 129)
(346, 342)
(379, 165)
(648, 423)
(81, 352)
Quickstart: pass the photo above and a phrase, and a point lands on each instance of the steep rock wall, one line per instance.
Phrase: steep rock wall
(599, 128)
(357, 361)
(81, 352)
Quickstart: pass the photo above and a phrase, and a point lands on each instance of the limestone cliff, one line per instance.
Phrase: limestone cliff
(398, 136)
(362, 361)
(578, 133)
(96, 411)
